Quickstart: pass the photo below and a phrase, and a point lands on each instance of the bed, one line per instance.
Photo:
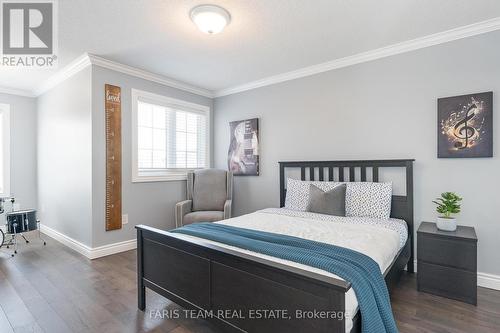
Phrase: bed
(229, 283)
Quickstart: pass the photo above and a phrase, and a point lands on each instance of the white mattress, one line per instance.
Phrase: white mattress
(379, 239)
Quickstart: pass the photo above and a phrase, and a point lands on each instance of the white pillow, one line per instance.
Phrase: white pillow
(363, 199)
(366, 199)
(297, 192)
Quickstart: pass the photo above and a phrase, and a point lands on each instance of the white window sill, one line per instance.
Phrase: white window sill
(160, 175)
(148, 176)
(163, 178)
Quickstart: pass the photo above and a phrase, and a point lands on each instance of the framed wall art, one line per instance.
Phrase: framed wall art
(465, 126)
(243, 153)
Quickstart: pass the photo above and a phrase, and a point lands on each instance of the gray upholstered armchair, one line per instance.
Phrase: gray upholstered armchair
(209, 197)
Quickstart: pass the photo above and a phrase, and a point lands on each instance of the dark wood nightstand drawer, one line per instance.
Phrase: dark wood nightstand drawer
(447, 282)
(448, 252)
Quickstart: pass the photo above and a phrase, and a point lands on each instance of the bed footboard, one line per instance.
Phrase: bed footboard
(235, 291)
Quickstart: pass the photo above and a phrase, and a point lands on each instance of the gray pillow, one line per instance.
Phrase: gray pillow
(331, 202)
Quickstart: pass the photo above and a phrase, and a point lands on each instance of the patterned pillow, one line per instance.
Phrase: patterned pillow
(297, 192)
(366, 199)
(363, 199)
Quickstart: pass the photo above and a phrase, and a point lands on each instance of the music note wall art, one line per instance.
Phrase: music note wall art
(465, 126)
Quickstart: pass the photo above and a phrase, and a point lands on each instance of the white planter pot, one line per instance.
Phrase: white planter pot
(446, 224)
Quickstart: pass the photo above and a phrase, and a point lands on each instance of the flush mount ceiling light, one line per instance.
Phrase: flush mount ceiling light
(210, 19)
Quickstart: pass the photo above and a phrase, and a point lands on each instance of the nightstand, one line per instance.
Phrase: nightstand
(447, 262)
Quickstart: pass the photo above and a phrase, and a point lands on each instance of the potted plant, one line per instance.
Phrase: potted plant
(448, 204)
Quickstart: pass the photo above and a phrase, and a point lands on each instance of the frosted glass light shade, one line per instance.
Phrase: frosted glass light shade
(210, 19)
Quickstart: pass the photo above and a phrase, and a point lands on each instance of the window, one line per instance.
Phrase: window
(170, 137)
(4, 150)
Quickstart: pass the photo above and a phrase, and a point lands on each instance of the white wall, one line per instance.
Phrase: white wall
(23, 149)
(377, 110)
(145, 203)
(65, 157)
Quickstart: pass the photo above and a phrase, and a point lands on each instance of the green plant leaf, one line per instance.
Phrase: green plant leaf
(448, 204)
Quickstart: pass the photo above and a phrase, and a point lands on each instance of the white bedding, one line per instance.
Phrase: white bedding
(379, 239)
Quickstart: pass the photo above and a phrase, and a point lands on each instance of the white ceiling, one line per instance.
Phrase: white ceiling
(265, 37)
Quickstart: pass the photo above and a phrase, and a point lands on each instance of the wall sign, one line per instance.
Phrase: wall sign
(113, 157)
(465, 126)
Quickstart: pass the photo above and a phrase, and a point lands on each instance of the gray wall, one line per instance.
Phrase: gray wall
(65, 157)
(377, 110)
(149, 203)
(23, 149)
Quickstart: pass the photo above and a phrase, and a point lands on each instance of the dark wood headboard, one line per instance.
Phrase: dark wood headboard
(357, 170)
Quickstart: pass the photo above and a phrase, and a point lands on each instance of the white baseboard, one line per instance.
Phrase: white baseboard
(68, 241)
(485, 280)
(87, 251)
(106, 250)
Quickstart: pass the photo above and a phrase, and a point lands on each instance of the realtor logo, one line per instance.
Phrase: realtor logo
(28, 33)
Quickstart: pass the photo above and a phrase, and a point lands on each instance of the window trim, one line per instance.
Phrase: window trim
(5, 110)
(171, 174)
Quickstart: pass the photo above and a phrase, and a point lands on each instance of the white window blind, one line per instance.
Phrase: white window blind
(186, 144)
(171, 137)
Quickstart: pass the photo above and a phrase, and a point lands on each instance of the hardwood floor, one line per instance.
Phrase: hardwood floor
(54, 289)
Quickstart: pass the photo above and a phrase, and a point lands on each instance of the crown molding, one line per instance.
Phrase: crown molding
(383, 52)
(142, 74)
(65, 73)
(18, 92)
(88, 59)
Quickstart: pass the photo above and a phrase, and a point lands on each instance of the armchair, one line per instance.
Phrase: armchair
(209, 197)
